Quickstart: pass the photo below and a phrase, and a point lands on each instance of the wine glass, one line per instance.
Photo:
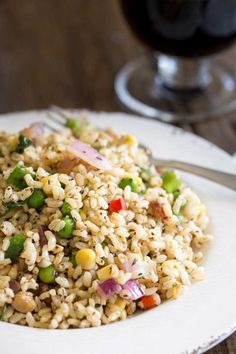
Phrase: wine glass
(180, 81)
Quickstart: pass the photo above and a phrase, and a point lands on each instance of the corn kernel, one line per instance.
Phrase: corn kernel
(86, 258)
(105, 272)
(120, 303)
(131, 140)
(45, 185)
(44, 180)
(49, 182)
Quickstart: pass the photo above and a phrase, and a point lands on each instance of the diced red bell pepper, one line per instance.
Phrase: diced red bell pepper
(148, 302)
(117, 205)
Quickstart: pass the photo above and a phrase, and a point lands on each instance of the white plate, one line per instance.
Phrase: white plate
(201, 317)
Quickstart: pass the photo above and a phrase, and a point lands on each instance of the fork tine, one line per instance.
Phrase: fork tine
(59, 111)
(50, 127)
(55, 118)
(58, 115)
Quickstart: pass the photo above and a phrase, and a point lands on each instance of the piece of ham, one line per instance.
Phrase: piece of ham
(158, 210)
(88, 154)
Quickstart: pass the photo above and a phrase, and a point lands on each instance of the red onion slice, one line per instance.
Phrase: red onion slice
(42, 238)
(134, 289)
(14, 285)
(88, 154)
(34, 131)
(108, 287)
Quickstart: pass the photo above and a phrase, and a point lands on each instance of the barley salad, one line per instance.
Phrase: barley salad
(90, 232)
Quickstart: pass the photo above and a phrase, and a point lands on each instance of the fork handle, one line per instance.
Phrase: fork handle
(223, 178)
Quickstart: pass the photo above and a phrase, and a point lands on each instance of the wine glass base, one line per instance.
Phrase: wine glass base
(139, 89)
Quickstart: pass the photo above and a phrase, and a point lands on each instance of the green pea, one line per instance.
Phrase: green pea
(24, 142)
(48, 274)
(128, 181)
(36, 200)
(170, 182)
(146, 174)
(16, 178)
(68, 229)
(15, 247)
(73, 261)
(66, 209)
(74, 125)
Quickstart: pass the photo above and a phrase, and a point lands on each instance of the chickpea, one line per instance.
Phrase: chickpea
(24, 302)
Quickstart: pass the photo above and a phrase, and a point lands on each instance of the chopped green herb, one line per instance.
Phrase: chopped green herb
(3, 312)
(103, 244)
(13, 205)
(73, 261)
(1, 153)
(15, 247)
(24, 142)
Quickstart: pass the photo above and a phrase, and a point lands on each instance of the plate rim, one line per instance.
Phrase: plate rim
(213, 340)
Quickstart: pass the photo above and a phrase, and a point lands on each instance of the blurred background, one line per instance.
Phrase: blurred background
(62, 52)
(68, 53)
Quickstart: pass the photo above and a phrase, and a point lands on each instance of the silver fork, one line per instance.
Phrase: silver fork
(59, 116)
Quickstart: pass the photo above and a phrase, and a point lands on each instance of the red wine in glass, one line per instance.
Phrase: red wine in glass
(182, 35)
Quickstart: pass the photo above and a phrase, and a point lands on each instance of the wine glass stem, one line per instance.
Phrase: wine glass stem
(182, 74)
